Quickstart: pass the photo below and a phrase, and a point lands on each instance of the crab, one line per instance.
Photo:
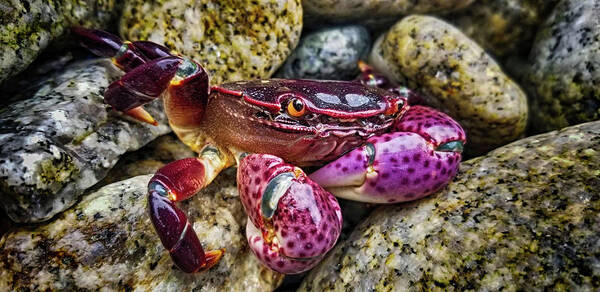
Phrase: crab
(369, 143)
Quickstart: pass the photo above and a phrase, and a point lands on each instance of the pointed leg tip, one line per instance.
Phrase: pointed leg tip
(140, 114)
(212, 258)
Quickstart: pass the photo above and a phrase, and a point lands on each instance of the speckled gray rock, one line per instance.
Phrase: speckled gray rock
(29, 26)
(63, 140)
(375, 11)
(564, 80)
(524, 217)
(107, 242)
(232, 40)
(456, 76)
(330, 53)
(148, 159)
(503, 27)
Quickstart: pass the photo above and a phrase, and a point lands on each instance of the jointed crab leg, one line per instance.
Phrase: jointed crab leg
(178, 181)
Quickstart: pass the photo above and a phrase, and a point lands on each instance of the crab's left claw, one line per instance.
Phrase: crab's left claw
(293, 221)
(419, 158)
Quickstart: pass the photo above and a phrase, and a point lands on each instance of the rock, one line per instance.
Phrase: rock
(107, 242)
(230, 43)
(523, 217)
(565, 67)
(63, 140)
(148, 159)
(503, 27)
(29, 26)
(374, 12)
(330, 53)
(455, 76)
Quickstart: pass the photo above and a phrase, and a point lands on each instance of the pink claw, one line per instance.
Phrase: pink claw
(421, 157)
(293, 222)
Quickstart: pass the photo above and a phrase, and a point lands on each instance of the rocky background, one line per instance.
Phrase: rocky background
(523, 212)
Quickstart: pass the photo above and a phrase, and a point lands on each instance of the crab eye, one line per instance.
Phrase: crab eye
(296, 107)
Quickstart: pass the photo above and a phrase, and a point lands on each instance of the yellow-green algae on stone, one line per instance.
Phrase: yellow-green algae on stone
(503, 27)
(456, 76)
(107, 242)
(524, 217)
(378, 10)
(564, 79)
(232, 39)
(27, 27)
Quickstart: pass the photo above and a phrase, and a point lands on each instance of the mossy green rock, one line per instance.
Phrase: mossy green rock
(232, 40)
(27, 27)
(524, 217)
(503, 27)
(455, 76)
(564, 79)
(107, 242)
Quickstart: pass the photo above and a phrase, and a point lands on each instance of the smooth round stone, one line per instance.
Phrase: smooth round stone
(330, 54)
(29, 26)
(503, 27)
(456, 76)
(564, 79)
(375, 11)
(232, 40)
(107, 242)
(63, 139)
(523, 217)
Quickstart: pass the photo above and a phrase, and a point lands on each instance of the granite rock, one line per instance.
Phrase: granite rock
(524, 217)
(564, 78)
(107, 242)
(330, 53)
(64, 139)
(29, 26)
(503, 27)
(375, 12)
(456, 76)
(148, 159)
(230, 43)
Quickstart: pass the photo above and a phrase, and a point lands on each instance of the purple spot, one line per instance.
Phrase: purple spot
(417, 157)
(308, 246)
(345, 169)
(411, 170)
(380, 189)
(417, 181)
(438, 165)
(320, 237)
(290, 244)
(426, 163)
(405, 159)
(283, 233)
(280, 264)
(391, 200)
(302, 235)
(393, 159)
(359, 157)
(385, 175)
(338, 165)
(404, 181)
(426, 177)
(387, 138)
(257, 181)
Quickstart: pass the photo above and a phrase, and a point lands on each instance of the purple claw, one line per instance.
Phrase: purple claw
(417, 160)
(293, 222)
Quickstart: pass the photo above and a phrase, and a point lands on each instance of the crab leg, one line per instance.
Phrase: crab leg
(178, 181)
(421, 156)
(292, 221)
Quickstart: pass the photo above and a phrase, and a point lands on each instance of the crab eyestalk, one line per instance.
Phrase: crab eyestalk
(293, 222)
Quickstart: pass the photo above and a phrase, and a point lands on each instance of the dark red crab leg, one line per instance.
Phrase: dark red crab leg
(151, 70)
(175, 182)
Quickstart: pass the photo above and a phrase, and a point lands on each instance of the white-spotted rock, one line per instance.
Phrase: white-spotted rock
(564, 78)
(107, 241)
(455, 76)
(523, 217)
(232, 40)
(330, 53)
(64, 139)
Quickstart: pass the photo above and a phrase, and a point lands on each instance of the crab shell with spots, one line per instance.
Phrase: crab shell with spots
(368, 143)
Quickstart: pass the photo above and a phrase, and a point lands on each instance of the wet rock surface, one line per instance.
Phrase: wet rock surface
(375, 11)
(64, 139)
(455, 76)
(232, 40)
(148, 159)
(107, 242)
(565, 67)
(29, 26)
(524, 216)
(503, 27)
(330, 53)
